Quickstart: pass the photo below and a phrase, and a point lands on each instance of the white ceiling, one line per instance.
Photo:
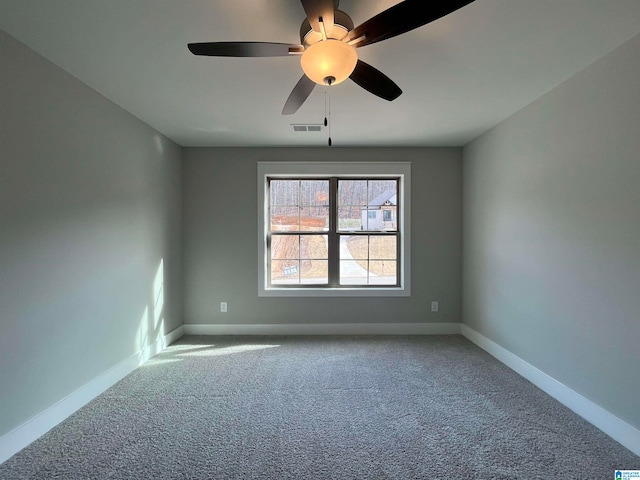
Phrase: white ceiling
(460, 75)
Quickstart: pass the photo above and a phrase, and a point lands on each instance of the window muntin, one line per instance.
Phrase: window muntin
(361, 246)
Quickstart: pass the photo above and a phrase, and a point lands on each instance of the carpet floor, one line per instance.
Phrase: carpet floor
(371, 407)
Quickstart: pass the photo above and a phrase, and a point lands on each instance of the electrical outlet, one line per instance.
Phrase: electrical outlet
(223, 307)
(434, 306)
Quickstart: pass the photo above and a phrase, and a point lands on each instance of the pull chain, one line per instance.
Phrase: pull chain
(327, 106)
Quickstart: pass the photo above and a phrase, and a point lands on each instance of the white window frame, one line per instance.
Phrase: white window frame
(402, 170)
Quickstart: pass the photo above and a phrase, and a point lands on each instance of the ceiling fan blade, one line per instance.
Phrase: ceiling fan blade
(244, 49)
(402, 18)
(298, 95)
(374, 81)
(316, 9)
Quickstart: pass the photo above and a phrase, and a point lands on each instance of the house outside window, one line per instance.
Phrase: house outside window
(380, 210)
(328, 230)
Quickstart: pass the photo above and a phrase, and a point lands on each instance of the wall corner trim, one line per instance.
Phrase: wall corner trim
(21, 436)
(616, 428)
(324, 329)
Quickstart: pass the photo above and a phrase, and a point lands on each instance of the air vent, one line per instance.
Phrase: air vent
(314, 127)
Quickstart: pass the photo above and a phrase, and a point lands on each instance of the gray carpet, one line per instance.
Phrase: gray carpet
(377, 407)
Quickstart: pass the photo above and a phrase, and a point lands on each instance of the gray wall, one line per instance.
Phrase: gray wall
(89, 205)
(220, 239)
(552, 233)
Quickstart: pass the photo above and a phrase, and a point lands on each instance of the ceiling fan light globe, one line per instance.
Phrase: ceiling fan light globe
(329, 58)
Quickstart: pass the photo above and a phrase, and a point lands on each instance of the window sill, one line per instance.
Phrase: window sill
(335, 292)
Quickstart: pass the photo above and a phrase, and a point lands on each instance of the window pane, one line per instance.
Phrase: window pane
(285, 219)
(354, 247)
(284, 271)
(315, 272)
(352, 192)
(314, 247)
(389, 219)
(285, 247)
(351, 218)
(284, 192)
(380, 191)
(314, 192)
(352, 273)
(382, 247)
(314, 219)
(382, 272)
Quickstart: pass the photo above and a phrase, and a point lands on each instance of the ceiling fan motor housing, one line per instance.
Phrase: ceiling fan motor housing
(342, 25)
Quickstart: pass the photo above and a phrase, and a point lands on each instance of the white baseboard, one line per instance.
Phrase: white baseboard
(14, 441)
(174, 335)
(613, 426)
(618, 429)
(324, 329)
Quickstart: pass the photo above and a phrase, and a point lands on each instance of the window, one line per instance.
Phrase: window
(317, 233)
(325, 233)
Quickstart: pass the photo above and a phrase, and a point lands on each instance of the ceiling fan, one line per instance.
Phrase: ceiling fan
(328, 42)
